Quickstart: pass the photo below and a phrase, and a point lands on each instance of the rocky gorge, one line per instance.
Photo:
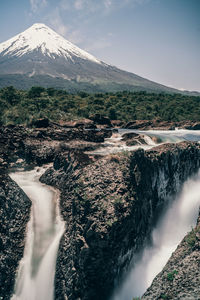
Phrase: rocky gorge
(109, 203)
(180, 278)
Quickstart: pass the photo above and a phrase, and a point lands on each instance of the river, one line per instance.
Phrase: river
(35, 278)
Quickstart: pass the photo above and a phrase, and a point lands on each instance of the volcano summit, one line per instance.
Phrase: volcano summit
(40, 56)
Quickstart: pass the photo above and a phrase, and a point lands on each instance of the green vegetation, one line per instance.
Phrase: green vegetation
(171, 275)
(110, 222)
(164, 296)
(21, 107)
(118, 203)
(191, 238)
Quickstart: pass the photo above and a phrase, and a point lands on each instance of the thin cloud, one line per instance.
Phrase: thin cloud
(37, 4)
(76, 37)
(81, 10)
(55, 21)
(101, 43)
(87, 7)
(79, 4)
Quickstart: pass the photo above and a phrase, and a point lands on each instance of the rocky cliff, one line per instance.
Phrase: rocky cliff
(109, 204)
(109, 207)
(27, 147)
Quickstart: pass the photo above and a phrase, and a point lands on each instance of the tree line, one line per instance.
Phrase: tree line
(21, 107)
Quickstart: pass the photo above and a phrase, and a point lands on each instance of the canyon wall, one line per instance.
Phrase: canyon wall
(109, 206)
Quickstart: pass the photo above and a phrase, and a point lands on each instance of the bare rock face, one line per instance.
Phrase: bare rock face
(109, 207)
(83, 123)
(162, 125)
(180, 278)
(133, 139)
(38, 146)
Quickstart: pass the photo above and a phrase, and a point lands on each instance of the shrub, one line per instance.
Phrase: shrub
(191, 238)
(171, 275)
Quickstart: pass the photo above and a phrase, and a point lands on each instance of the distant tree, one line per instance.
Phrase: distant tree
(35, 91)
(51, 91)
(10, 95)
(83, 94)
(112, 114)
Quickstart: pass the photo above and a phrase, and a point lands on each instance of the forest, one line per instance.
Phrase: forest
(22, 107)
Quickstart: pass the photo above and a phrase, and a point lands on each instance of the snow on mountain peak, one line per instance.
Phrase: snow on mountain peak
(41, 37)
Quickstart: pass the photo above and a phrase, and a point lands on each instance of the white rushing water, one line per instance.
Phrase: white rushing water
(177, 220)
(116, 144)
(35, 278)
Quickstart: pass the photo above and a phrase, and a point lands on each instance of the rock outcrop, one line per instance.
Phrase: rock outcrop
(133, 139)
(37, 146)
(162, 125)
(109, 207)
(180, 278)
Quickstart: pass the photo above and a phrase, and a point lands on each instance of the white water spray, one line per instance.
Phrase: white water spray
(35, 279)
(178, 219)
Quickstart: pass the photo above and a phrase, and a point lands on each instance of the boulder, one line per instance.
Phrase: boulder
(101, 120)
(83, 123)
(133, 139)
(40, 123)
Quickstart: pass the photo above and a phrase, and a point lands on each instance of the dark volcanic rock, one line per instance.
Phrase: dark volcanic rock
(195, 126)
(180, 278)
(117, 123)
(133, 139)
(138, 124)
(84, 123)
(40, 123)
(109, 207)
(151, 124)
(162, 125)
(37, 146)
(14, 215)
(101, 120)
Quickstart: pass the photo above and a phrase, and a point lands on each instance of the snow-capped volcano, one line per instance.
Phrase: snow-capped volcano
(40, 56)
(41, 37)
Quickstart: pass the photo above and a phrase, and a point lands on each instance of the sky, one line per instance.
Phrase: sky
(156, 39)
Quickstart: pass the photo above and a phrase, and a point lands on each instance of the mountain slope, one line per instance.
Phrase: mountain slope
(41, 55)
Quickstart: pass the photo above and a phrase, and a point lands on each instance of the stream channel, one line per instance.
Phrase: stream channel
(35, 278)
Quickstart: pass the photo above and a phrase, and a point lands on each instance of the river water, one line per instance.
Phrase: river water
(116, 144)
(35, 278)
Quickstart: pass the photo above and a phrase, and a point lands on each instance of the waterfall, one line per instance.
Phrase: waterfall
(35, 278)
(176, 221)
